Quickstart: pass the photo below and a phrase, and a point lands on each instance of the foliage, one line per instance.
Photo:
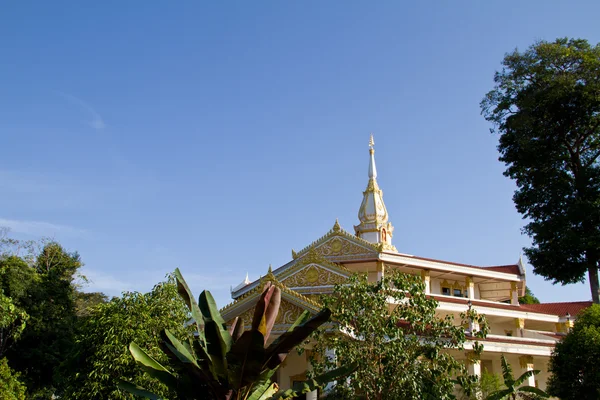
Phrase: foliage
(12, 323)
(10, 386)
(98, 358)
(216, 363)
(514, 390)
(486, 385)
(529, 297)
(574, 362)
(85, 302)
(15, 277)
(399, 349)
(546, 107)
(45, 292)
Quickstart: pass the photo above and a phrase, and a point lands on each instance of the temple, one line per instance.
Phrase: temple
(524, 334)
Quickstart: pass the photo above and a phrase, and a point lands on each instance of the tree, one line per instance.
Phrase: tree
(15, 277)
(10, 386)
(97, 359)
(574, 362)
(529, 297)
(400, 348)
(514, 390)
(85, 302)
(12, 323)
(49, 301)
(217, 363)
(546, 107)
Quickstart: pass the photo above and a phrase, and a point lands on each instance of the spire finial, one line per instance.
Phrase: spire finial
(372, 168)
(374, 226)
(270, 269)
(336, 226)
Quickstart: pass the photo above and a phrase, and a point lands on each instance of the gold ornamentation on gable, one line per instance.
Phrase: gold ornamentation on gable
(343, 244)
(339, 246)
(313, 275)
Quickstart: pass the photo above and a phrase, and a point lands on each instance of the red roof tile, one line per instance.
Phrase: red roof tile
(560, 309)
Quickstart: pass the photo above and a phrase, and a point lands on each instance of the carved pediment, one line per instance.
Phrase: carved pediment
(314, 275)
(339, 245)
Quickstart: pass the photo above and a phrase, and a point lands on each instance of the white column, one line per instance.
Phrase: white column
(527, 365)
(380, 270)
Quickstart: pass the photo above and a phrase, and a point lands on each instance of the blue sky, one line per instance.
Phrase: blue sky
(217, 136)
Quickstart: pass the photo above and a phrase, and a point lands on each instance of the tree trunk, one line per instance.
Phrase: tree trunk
(593, 278)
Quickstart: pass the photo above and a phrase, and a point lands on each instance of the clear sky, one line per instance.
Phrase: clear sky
(217, 136)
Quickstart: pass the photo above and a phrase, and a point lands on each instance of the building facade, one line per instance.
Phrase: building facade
(524, 334)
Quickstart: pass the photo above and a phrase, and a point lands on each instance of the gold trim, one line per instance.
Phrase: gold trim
(520, 323)
(255, 292)
(337, 230)
(526, 361)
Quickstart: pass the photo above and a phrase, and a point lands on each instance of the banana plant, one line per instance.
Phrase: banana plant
(217, 363)
(514, 390)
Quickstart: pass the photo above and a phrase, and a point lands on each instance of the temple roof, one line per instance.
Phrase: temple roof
(560, 309)
(246, 300)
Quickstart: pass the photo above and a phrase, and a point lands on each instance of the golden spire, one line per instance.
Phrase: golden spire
(374, 226)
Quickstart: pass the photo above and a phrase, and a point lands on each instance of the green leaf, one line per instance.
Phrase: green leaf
(534, 390)
(263, 391)
(313, 384)
(509, 380)
(152, 367)
(499, 395)
(519, 381)
(177, 349)
(218, 340)
(186, 294)
(137, 390)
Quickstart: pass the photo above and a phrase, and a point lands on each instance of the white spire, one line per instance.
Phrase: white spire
(372, 167)
(374, 226)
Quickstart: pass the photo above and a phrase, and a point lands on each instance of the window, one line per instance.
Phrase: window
(446, 291)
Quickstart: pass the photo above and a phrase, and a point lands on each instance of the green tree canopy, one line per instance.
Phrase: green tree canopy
(529, 297)
(574, 363)
(100, 357)
(546, 107)
(400, 349)
(44, 290)
(10, 386)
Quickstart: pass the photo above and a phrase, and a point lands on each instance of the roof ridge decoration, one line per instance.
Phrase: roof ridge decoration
(284, 289)
(337, 230)
(313, 257)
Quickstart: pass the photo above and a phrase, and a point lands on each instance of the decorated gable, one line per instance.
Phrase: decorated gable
(292, 305)
(313, 270)
(339, 245)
